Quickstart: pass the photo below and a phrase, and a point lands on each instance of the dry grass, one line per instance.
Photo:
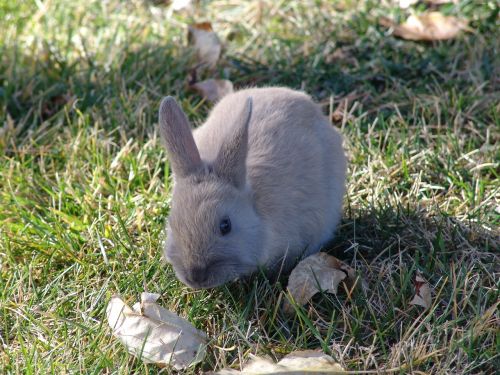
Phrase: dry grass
(84, 182)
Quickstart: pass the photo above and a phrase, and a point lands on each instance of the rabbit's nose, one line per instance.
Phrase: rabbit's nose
(198, 274)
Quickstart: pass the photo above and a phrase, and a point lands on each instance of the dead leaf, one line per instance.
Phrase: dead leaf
(213, 89)
(427, 27)
(342, 55)
(315, 273)
(407, 3)
(342, 108)
(338, 114)
(53, 105)
(423, 295)
(155, 334)
(180, 5)
(297, 363)
(206, 44)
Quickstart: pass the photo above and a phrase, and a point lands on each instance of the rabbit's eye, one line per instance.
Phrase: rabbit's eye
(225, 226)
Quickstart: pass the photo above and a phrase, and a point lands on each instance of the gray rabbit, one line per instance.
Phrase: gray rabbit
(259, 184)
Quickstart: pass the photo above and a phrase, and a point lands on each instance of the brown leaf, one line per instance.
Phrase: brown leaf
(180, 5)
(342, 108)
(407, 3)
(213, 89)
(427, 27)
(54, 104)
(338, 114)
(342, 55)
(155, 334)
(315, 273)
(206, 44)
(423, 295)
(297, 363)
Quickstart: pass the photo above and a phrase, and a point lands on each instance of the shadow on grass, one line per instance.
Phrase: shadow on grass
(387, 247)
(416, 239)
(385, 71)
(37, 89)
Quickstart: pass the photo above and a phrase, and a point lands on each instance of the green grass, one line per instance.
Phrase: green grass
(85, 183)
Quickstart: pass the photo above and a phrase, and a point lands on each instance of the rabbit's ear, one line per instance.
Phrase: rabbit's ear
(176, 133)
(230, 161)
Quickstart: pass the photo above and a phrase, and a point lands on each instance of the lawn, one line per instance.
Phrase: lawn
(85, 181)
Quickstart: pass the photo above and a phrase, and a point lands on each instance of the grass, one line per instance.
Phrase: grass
(85, 183)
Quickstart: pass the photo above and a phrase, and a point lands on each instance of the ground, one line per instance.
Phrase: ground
(85, 182)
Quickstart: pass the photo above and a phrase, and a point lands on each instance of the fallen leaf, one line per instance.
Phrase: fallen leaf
(342, 55)
(206, 44)
(407, 3)
(53, 105)
(423, 295)
(317, 272)
(427, 26)
(342, 108)
(213, 89)
(155, 334)
(296, 363)
(338, 114)
(179, 5)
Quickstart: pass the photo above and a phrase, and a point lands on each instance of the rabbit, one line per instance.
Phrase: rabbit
(257, 186)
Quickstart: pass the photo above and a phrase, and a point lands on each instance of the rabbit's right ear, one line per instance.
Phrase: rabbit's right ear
(176, 133)
(230, 163)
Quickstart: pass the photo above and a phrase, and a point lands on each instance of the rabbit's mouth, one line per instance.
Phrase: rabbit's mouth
(205, 284)
(210, 282)
(214, 275)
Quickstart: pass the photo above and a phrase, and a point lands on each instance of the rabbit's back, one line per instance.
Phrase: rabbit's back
(295, 166)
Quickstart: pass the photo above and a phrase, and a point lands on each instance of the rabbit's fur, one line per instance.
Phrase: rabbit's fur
(267, 159)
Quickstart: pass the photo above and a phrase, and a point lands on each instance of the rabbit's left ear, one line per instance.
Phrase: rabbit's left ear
(231, 159)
